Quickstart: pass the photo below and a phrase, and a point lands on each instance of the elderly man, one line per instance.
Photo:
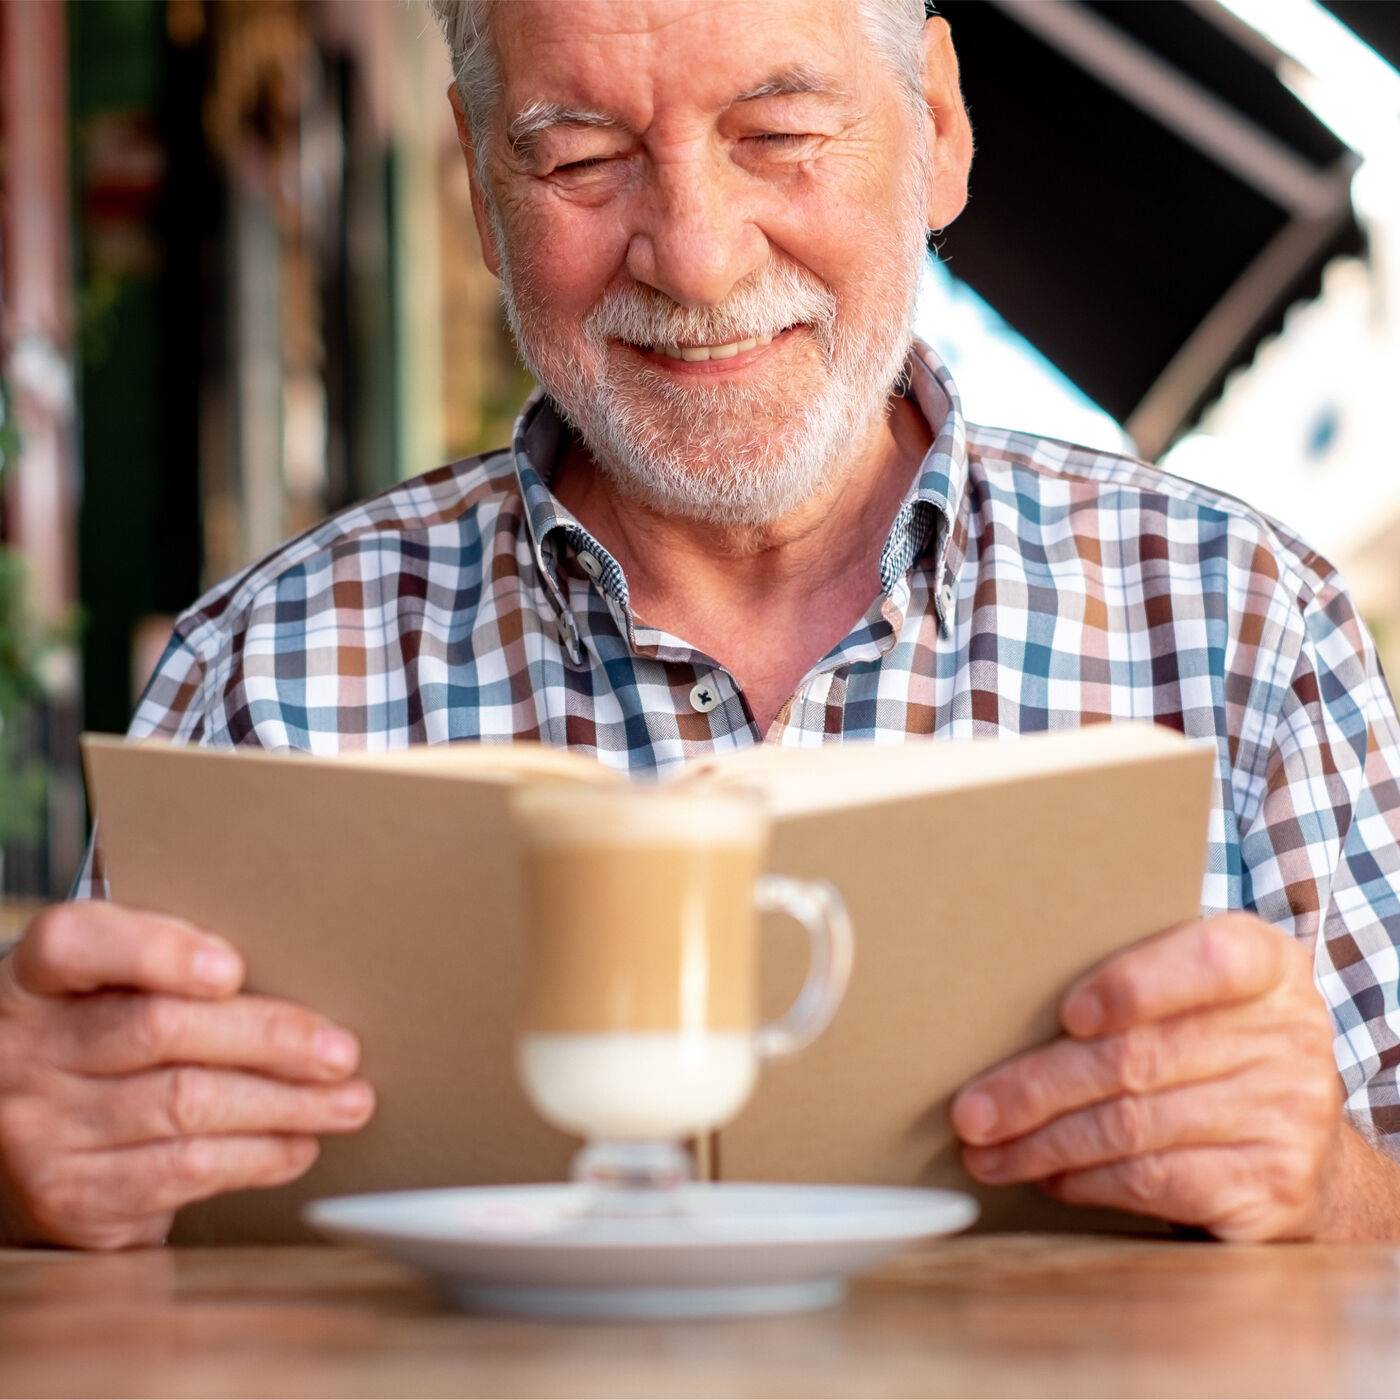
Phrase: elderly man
(743, 509)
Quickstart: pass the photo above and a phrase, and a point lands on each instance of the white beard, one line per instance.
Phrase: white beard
(728, 454)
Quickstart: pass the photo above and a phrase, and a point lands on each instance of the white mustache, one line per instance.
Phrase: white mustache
(776, 297)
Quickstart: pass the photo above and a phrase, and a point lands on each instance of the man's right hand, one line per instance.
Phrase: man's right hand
(135, 1079)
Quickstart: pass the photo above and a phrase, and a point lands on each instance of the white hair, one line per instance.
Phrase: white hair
(892, 26)
(727, 454)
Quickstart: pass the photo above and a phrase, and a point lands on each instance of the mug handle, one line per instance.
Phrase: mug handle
(819, 908)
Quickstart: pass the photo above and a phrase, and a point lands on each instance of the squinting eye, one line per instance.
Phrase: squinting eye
(781, 138)
(587, 164)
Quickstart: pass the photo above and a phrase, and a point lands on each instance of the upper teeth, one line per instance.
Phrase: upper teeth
(712, 352)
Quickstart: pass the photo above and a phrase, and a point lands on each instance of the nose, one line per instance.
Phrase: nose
(696, 237)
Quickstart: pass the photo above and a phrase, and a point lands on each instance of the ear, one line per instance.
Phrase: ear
(490, 254)
(949, 132)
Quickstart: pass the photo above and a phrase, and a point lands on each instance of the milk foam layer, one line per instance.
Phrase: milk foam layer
(629, 816)
(638, 1085)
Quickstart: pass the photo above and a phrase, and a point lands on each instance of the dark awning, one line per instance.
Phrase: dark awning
(1147, 197)
(1374, 22)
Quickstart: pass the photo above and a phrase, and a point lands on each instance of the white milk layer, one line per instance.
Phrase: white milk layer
(638, 1085)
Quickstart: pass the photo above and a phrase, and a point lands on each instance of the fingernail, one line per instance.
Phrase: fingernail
(352, 1100)
(216, 967)
(1083, 1013)
(976, 1115)
(986, 1162)
(335, 1048)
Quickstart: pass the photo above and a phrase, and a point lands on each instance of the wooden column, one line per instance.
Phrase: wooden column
(36, 343)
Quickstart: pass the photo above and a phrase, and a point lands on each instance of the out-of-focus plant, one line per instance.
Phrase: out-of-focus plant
(23, 780)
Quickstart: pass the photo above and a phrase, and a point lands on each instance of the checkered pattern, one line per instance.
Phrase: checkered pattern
(1027, 585)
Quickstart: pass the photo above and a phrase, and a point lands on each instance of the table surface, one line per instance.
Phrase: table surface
(980, 1315)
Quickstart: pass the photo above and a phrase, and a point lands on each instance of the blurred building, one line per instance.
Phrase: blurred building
(282, 306)
(1305, 430)
(263, 301)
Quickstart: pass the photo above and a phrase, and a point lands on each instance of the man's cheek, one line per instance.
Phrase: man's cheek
(571, 245)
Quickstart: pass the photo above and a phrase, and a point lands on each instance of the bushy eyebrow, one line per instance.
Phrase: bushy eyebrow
(527, 125)
(793, 81)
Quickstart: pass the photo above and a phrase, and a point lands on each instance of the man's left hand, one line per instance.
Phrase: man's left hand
(1195, 1082)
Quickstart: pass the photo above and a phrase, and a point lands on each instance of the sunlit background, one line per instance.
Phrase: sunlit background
(240, 288)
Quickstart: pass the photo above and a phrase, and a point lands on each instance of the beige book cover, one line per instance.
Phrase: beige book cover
(982, 878)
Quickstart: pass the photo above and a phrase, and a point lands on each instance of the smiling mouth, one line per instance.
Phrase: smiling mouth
(727, 351)
(692, 354)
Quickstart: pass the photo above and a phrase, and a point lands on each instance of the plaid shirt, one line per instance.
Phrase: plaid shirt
(1026, 585)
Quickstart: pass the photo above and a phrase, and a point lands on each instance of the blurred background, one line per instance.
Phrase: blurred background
(240, 288)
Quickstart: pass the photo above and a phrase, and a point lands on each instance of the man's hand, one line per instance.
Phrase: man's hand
(134, 1079)
(1195, 1082)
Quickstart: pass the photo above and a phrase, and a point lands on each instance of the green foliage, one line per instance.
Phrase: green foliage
(9, 433)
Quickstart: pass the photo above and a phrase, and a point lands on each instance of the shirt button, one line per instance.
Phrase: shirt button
(589, 564)
(704, 697)
(946, 598)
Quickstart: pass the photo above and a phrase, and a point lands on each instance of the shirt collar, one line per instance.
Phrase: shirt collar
(538, 441)
(931, 504)
(926, 514)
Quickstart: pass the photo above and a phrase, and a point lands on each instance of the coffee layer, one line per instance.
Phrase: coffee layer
(653, 938)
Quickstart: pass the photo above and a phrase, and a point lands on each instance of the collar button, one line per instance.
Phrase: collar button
(704, 697)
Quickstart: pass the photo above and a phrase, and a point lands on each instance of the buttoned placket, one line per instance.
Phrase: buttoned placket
(713, 684)
(807, 710)
(801, 722)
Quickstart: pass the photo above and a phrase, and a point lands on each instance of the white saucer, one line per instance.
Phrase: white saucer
(731, 1249)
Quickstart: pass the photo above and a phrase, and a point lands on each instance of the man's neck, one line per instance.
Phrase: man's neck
(766, 602)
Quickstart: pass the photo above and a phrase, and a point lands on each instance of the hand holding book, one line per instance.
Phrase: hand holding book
(1195, 1080)
(135, 1079)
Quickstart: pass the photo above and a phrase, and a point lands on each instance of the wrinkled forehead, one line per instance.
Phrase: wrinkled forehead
(622, 55)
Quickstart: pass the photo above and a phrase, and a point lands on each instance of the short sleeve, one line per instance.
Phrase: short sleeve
(1321, 856)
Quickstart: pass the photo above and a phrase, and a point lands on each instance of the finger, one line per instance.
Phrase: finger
(103, 1233)
(187, 1101)
(1218, 1111)
(83, 946)
(117, 1033)
(1212, 962)
(132, 1182)
(1033, 1089)
(1206, 1186)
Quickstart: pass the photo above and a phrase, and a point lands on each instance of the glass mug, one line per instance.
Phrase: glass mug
(639, 1026)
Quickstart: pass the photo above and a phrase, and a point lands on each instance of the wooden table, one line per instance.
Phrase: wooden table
(988, 1315)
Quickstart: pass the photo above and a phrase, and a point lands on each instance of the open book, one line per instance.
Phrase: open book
(982, 878)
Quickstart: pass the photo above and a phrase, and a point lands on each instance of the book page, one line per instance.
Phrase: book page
(382, 898)
(973, 910)
(797, 782)
(490, 763)
(506, 762)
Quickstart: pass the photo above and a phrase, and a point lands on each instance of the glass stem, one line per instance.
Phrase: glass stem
(629, 1174)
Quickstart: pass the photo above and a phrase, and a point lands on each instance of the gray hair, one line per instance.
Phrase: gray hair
(892, 26)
